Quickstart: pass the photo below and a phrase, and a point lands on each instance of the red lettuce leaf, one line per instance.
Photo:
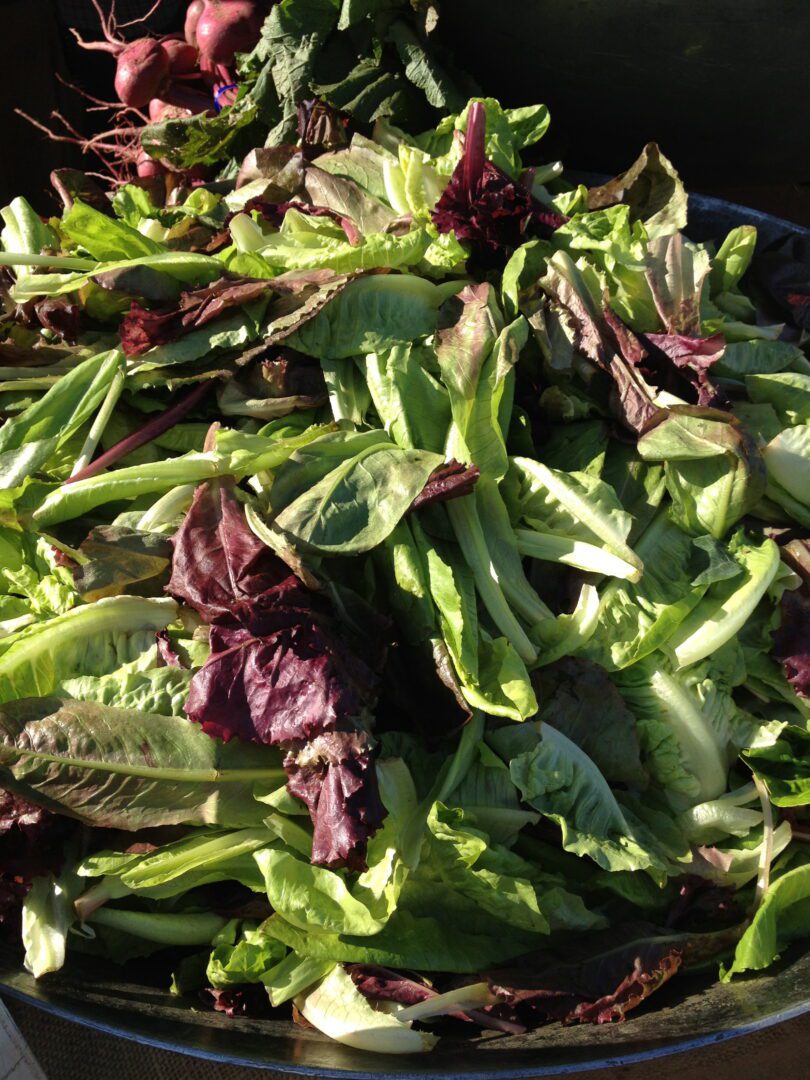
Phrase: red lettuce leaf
(386, 985)
(249, 1000)
(30, 845)
(288, 684)
(677, 363)
(791, 642)
(334, 776)
(168, 655)
(217, 561)
(681, 364)
(383, 984)
(61, 316)
(280, 671)
(602, 977)
(141, 328)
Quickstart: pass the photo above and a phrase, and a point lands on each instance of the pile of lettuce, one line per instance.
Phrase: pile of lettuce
(405, 585)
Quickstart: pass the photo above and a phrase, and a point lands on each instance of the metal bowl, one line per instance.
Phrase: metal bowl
(689, 1012)
(685, 1015)
(722, 85)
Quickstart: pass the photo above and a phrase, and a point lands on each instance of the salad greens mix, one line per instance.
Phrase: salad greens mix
(405, 585)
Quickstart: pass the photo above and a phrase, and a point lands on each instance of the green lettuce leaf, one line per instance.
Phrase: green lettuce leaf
(372, 314)
(559, 780)
(780, 919)
(119, 769)
(715, 472)
(784, 766)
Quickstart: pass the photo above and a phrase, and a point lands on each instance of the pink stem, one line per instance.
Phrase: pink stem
(151, 430)
(475, 146)
(114, 47)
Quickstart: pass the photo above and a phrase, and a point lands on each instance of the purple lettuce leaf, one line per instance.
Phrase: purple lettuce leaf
(483, 205)
(167, 654)
(681, 364)
(61, 316)
(703, 903)
(383, 984)
(676, 363)
(286, 685)
(217, 561)
(249, 1000)
(280, 672)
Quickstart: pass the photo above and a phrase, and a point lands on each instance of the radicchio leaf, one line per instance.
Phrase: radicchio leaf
(290, 683)
(279, 672)
(483, 204)
(334, 776)
(217, 561)
(681, 364)
(677, 363)
(61, 316)
(387, 985)
(448, 481)
(168, 655)
(382, 984)
(141, 328)
(792, 640)
(246, 1001)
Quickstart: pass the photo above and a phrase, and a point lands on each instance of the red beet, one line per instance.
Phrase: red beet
(226, 27)
(193, 13)
(142, 68)
(182, 56)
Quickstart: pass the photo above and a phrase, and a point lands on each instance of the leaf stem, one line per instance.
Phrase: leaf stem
(149, 772)
(59, 262)
(470, 535)
(149, 431)
(100, 422)
(764, 870)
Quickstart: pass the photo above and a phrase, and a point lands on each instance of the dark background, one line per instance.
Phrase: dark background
(722, 85)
